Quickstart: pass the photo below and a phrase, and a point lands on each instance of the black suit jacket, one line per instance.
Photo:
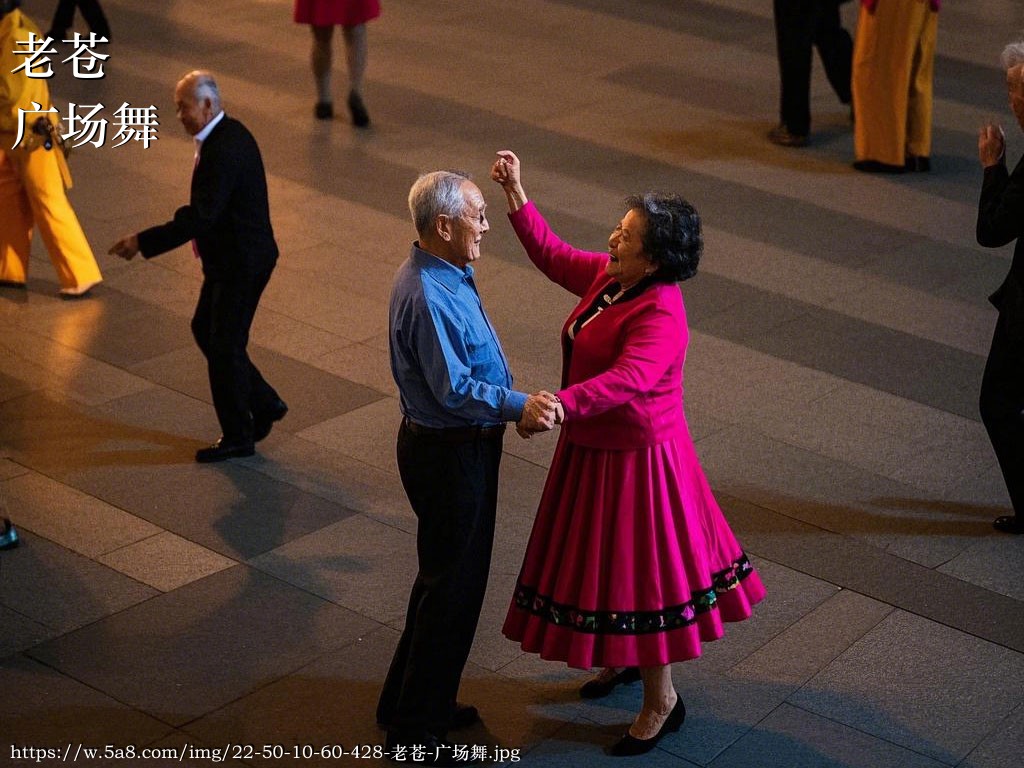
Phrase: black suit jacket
(1000, 221)
(228, 215)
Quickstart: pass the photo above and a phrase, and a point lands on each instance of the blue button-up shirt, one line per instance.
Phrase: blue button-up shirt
(445, 354)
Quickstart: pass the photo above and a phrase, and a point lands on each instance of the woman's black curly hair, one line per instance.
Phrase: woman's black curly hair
(673, 237)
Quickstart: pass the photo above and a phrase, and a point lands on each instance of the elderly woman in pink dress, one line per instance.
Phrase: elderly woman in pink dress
(631, 564)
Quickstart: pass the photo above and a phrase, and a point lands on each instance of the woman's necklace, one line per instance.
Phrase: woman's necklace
(607, 301)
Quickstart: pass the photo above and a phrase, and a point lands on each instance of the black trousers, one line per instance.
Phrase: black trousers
(93, 14)
(1002, 408)
(453, 489)
(801, 25)
(221, 329)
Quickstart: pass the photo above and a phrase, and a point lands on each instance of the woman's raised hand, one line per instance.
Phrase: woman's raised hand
(505, 172)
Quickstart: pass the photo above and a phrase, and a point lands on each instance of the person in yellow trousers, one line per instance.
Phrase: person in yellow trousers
(893, 61)
(34, 179)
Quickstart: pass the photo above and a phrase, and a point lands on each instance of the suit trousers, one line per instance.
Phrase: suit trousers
(801, 25)
(893, 64)
(32, 195)
(1002, 408)
(453, 490)
(221, 326)
(92, 12)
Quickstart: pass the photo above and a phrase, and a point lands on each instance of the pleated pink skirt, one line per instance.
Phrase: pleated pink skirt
(631, 561)
(326, 13)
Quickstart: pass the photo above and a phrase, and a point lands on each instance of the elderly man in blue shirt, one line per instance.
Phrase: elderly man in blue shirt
(456, 396)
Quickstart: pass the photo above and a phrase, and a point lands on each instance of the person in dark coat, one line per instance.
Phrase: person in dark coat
(1001, 221)
(228, 222)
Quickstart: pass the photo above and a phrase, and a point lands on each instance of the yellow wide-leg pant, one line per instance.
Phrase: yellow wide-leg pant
(32, 194)
(893, 62)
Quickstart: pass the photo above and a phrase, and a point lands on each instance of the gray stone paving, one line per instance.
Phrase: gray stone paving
(838, 331)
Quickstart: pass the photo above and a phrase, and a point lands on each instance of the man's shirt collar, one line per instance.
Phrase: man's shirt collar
(203, 134)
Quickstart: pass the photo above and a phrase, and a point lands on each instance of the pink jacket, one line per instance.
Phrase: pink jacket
(622, 382)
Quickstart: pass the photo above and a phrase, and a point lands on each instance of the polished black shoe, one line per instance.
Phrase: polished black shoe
(9, 538)
(360, 117)
(1008, 524)
(462, 716)
(427, 750)
(225, 449)
(598, 688)
(630, 745)
(263, 421)
(323, 110)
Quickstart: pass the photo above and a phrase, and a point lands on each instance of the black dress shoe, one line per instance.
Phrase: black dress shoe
(630, 745)
(225, 449)
(426, 750)
(263, 421)
(9, 538)
(323, 110)
(1008, 524)
(598, 688)
(462, 716)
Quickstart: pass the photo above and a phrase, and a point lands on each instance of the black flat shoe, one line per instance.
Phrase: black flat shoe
(9, 538)
(323, 110)
(630, 745)
(360, 117)
(225, 449)
(263, 421)
(1008, 524)
(598, 688)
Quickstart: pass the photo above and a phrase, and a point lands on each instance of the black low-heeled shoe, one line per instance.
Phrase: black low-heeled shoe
(360, 117)
(628, 745)
(598, 689)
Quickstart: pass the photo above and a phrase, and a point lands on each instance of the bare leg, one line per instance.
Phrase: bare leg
(659, 699)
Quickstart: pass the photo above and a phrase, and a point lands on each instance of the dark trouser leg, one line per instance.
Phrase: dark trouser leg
(1002, 402)
(835, 47)
(221, 329)
(794, 39)
(63, 16)
(94, 17)
(453, 489)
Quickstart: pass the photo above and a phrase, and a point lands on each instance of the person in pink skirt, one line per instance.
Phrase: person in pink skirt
(631, 563)
(323, 16)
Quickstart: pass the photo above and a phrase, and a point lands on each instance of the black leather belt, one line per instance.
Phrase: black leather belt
(453, 434)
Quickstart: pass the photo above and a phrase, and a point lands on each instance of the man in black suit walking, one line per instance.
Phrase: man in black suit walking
(1001, 221)
(228, 222)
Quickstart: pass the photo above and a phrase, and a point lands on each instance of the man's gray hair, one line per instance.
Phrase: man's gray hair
(434, 194)
(1013, 55)
(204, 87)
